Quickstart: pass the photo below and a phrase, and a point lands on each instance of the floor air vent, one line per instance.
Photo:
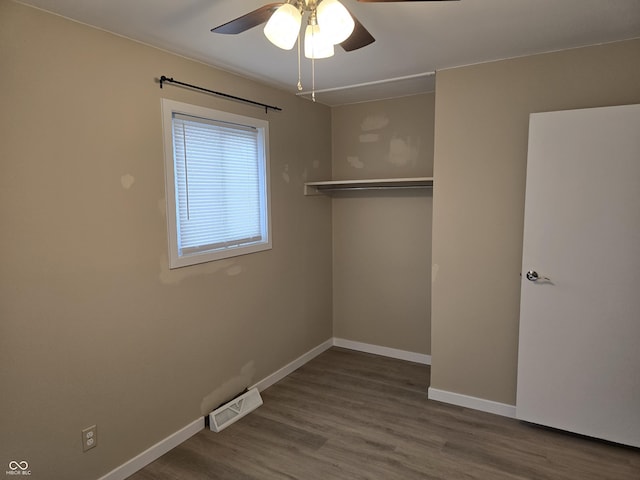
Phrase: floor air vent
(234, 410)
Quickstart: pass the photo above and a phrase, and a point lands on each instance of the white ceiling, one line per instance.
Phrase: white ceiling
(413, 39)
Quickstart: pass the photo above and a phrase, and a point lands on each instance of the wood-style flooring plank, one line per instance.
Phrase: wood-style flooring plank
(349, 416)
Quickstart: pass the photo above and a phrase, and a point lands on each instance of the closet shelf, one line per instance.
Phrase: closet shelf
(318, 188)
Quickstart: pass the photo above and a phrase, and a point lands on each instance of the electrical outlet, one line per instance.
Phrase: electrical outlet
(89, 438)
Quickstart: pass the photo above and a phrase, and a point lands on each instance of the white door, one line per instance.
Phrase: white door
(579, 349)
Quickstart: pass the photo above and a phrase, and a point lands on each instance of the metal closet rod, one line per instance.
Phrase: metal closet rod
(164, 79)
(322, 188)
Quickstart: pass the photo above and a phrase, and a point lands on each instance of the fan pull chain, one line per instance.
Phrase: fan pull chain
(313, 79)
(299, 72)
(313, 64)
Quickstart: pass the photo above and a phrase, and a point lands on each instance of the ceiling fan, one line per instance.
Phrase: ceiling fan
(328, 23)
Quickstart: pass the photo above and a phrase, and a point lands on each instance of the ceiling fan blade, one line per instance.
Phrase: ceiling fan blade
(247, 21)
(359, 38)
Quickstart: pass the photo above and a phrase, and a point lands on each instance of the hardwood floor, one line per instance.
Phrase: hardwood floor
(351, 415)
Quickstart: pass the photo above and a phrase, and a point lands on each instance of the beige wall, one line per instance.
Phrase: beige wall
(482, 114)
(94, 328)
(382, 240)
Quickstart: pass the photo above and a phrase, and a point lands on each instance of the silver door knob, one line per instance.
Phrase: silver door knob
(533, 276)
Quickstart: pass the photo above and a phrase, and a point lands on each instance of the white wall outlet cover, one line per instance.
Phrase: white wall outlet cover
(89, 438)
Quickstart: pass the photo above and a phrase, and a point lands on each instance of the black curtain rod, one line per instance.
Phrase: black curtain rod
(164, 79)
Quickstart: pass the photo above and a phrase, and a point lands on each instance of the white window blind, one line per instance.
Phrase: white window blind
(219, 177)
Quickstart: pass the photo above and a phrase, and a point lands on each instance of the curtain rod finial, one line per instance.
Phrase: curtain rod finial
(163, 79)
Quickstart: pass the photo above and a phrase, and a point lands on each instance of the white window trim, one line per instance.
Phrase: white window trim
(169, 107)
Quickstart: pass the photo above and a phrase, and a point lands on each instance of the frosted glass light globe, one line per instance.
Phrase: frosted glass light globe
(283, 27)
(335, 20)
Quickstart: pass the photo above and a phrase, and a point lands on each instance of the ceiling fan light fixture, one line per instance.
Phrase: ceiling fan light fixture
(316, 43)
(283, 27)
(335, 20)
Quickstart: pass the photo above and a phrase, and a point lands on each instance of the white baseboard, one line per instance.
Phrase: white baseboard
(474, 403)
(292, 366)
(383, 351)
(156, 451)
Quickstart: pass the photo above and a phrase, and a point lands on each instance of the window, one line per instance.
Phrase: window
(217, 184)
